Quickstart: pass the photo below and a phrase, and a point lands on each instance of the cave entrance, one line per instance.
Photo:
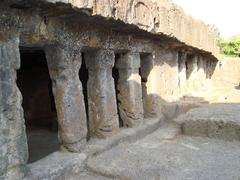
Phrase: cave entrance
(38, 104)
(84, 76)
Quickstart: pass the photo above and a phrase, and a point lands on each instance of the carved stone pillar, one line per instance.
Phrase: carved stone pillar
(103, 117)
(64, 64)
(13, 142)
(150, 86)
(129, 89)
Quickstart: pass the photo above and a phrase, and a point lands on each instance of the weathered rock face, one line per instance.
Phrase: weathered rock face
(13, 151)
(64, 65)
(129, 89)
(220, 121)
(146, 43)
(103, 117)
(155, 16)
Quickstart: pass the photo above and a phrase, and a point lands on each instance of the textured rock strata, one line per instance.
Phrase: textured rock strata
(155, 16)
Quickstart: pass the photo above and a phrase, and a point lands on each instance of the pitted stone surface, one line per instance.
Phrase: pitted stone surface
(221, 121)
(100, 59)
(103, 117)
(129, 89)
(165, 156)
(13, 146)
(64, 65)
(157, 17)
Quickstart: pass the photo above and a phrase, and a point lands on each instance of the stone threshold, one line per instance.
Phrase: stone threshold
(60, 165)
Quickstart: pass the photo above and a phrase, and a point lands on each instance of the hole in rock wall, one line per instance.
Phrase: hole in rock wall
(38, 104)
(83, 76)
(115, 75)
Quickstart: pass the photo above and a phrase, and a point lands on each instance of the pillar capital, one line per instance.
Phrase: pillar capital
(100, 59)
(130, 60)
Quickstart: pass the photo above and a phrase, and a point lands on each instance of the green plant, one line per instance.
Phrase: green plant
(230, 48)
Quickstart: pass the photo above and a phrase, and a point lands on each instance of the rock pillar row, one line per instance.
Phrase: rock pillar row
(129, 89)
(64, 64)
(103, 117)
(13, 142)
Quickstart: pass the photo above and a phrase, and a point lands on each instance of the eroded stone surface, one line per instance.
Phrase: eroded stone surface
(153, 16)
(129, 89)
(103, 117)
(13, 146)
(156, 17)
(64, 65)
(219, 121)
(165, 156)
(65, 32)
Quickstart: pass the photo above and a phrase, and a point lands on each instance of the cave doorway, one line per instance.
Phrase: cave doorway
(40, 115)
(84, 76)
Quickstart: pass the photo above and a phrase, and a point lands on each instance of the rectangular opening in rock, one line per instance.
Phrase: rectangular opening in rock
(38, 104)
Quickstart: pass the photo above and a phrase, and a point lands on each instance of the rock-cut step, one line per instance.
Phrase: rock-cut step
(220, 121)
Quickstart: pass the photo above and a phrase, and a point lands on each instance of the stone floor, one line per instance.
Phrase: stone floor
(167, 154)
(180, 158)
(41, 142)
